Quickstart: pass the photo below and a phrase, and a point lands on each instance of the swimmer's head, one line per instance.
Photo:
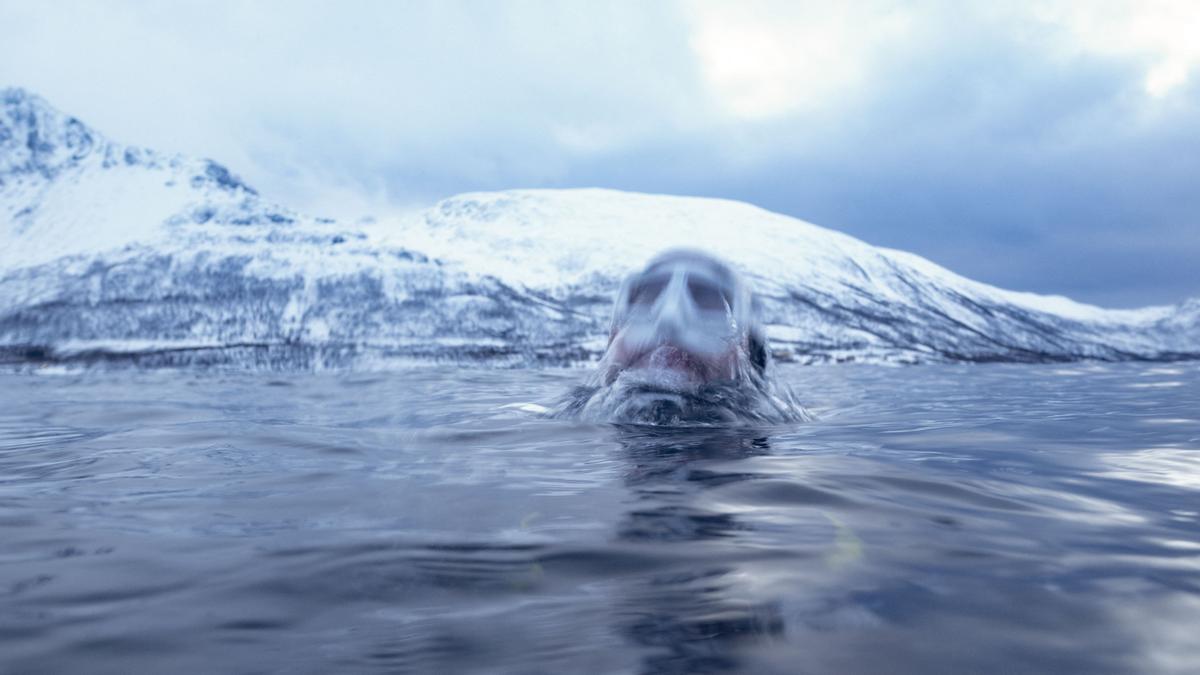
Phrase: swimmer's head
(684, 321)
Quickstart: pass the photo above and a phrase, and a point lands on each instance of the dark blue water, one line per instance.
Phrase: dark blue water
(989, 519)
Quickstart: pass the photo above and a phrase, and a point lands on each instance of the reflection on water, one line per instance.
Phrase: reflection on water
(691, 620)
(933, 519)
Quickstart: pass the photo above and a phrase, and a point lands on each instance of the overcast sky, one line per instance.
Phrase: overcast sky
(1043, 146)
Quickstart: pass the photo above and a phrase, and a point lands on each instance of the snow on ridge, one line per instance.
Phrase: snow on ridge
(67, 190)
(541, 237)
(112, 252)
(1049, 304)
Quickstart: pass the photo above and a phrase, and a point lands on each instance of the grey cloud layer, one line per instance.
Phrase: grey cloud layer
(978, 142)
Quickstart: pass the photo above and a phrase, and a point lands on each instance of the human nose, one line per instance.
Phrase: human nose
(673, 311)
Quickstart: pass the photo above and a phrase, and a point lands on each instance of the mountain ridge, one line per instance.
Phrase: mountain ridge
(113, 254)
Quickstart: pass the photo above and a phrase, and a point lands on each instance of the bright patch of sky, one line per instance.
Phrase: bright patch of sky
(1047, 146)
(762, 60)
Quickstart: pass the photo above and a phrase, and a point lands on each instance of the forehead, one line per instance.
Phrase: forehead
(693, 263)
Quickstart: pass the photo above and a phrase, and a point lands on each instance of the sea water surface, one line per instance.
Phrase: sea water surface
(933, 519)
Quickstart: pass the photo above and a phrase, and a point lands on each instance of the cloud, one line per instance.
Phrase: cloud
(766, 59)
(1160, 33)
(996, 139)
(466, 93)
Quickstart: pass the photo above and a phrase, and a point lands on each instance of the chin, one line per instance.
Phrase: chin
(643, 381)
(671, 368)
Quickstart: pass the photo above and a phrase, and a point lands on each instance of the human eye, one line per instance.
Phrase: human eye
(707, 295)
(647, 291)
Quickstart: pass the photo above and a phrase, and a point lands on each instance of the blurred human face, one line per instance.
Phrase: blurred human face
(676, 323)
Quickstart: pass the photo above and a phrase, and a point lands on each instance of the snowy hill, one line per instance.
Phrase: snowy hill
(117, 254)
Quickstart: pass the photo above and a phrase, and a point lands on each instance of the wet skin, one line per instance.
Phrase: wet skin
(676, 323)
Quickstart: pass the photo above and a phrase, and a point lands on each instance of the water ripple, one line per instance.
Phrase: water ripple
(934, 519)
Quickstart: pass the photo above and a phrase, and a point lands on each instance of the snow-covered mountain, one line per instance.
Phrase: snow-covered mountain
(117, 254)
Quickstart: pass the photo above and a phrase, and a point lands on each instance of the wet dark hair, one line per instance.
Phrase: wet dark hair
(758, 352)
